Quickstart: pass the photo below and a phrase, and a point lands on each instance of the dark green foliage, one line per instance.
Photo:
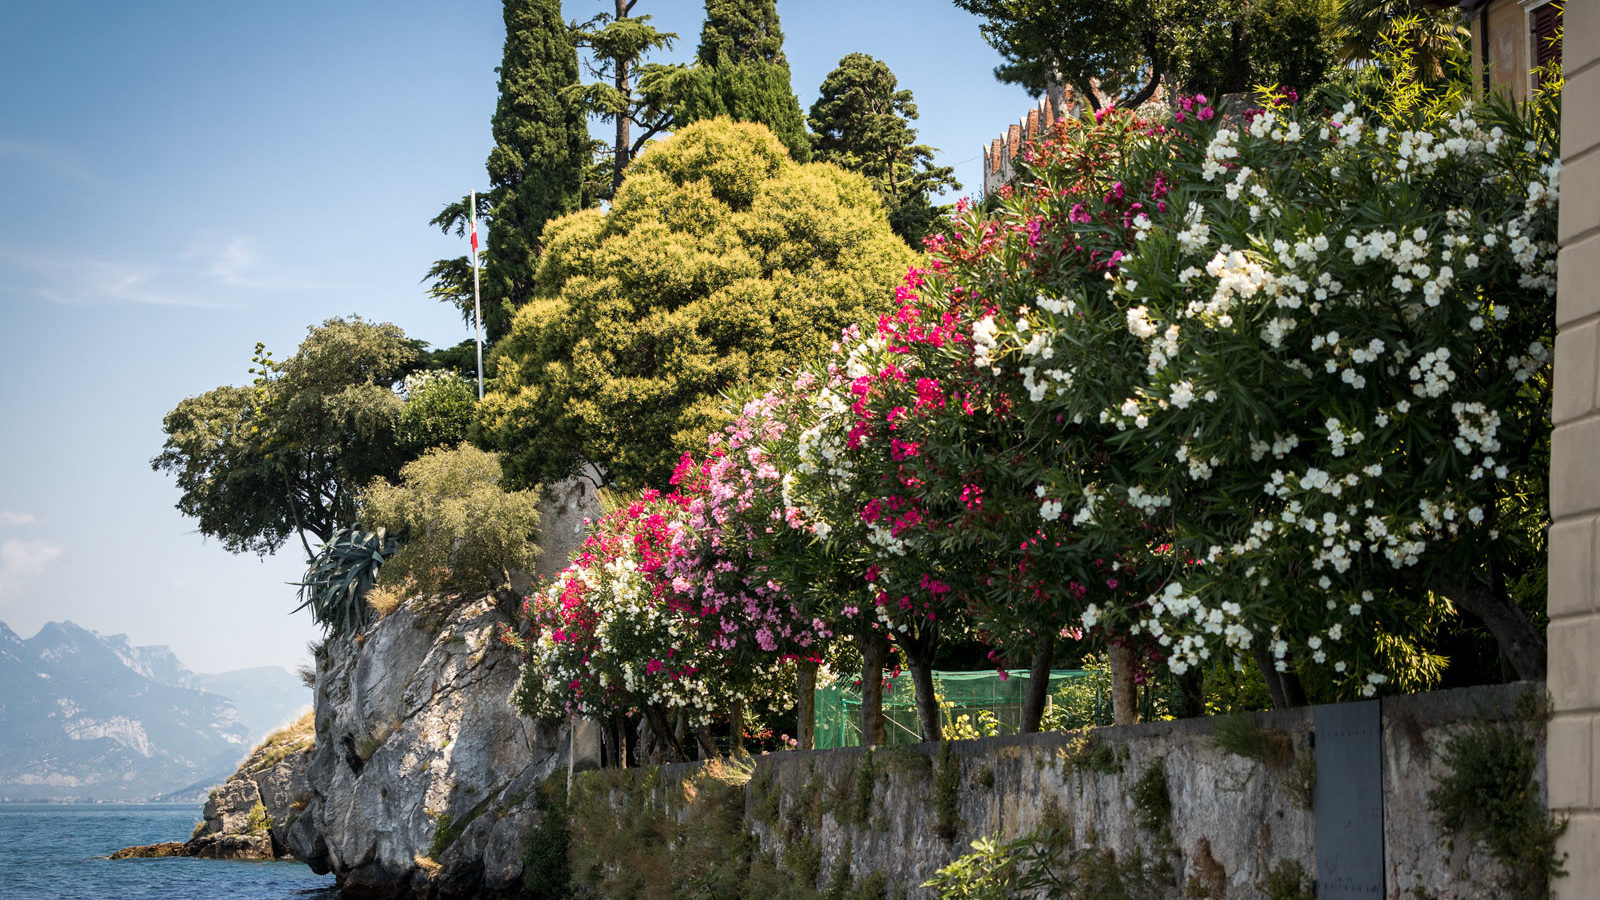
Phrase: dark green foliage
(720, 262)
(340, 575)
(546, 873)
(437, 412)
(630, 93)
(1152, 804)
(1241, 736)
(445, 832)
(450, 280)
(741, 73)
(290, 453)
(741, 31)
(862, 122)
(947, 793)
(1490, 795)
(541, 146)
(1288, 881)
(1288, 43)
(1129, 48)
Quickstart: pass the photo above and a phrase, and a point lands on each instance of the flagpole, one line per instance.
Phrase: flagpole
(477, 305)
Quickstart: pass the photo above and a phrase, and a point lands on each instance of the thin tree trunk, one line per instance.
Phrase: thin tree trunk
(874, 653)
(927, 701)
(1191, 688)
(608, 744)
(736, 727)
(1044, 647)
(805, 731)
(1293, 690)
(1285, 686)
(1124, 698)
(620, 150)
(1520, 642)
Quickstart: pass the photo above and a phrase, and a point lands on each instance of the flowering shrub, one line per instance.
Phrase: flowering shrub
(1339, 366)
(610, 634)
(1217, 388)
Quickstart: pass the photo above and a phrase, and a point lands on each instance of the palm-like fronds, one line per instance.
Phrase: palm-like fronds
(340, 575)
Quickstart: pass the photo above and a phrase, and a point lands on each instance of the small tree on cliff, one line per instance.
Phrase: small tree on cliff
(463, 533)
(290, 453)
(863, 123)
(721, 261)
(741, 73)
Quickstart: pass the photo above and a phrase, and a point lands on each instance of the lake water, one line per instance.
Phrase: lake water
(50, 851)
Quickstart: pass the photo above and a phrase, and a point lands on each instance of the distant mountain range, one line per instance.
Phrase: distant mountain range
(85, 716)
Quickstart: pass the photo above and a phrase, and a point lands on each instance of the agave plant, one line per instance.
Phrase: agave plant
(340, 575)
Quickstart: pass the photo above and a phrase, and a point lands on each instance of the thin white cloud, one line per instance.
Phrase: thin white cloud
(20, 560)
(42, 156)
(214, 273)
(14, 519)
(84, 280)
(236, 262)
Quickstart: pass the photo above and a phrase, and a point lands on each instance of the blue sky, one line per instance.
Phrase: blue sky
(183, 179)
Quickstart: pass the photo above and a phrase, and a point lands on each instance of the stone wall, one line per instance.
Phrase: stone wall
(1575, 465)
(1236, 820)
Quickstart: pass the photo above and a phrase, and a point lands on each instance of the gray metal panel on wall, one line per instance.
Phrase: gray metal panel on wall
(1349, 801)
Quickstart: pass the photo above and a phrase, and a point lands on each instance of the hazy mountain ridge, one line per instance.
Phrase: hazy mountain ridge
(88, 716)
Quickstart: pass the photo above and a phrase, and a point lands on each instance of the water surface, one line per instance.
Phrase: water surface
(50, 851)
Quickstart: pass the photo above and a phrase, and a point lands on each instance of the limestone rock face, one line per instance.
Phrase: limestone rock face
(422, 774)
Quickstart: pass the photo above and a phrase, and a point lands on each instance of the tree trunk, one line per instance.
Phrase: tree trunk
(927, 701)
(1124, 698)
(805, 731)
(874, 653)
(1520, 642)
(736, 728)
(1285, 686)
(608, 743)
(1044, 647)
(708, 747)
(619, 159)
(1191, 687)
(664, 736)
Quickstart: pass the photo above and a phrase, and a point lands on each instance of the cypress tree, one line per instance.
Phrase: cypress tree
(541, 144)
(741, 73)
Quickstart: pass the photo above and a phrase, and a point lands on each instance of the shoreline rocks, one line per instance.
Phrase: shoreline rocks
(249, 815)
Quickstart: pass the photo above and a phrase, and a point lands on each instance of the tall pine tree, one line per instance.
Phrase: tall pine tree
(631, 93)
(741, 73)
(863, 123)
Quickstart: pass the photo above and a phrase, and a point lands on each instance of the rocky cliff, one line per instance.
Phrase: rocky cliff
(249, 815)
(422, 772)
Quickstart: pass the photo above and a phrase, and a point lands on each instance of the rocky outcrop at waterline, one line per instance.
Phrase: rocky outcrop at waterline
(423, 779)
(249, 815)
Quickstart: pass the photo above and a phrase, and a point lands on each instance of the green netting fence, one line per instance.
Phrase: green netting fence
(974, 704)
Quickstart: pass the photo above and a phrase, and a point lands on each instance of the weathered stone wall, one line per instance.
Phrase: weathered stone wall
(1234, 819)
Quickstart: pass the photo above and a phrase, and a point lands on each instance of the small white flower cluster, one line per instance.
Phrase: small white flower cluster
(984, 332)
(1145, 502)
(1196, 233)
(1223, 147)
(1432, 374)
